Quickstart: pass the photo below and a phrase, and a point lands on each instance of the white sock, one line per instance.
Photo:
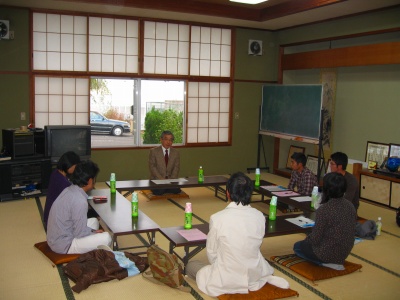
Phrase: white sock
(278, 281)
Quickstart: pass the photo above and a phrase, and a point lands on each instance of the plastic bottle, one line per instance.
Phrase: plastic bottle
(257, 178)
(314, 197)
(135, 205)
(113, 183)
(379, 226)
(201, 175)
(272, 208)
(188, 216)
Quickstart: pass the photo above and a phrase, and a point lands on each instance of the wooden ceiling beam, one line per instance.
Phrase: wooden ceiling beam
(219, 10)
(293, 7)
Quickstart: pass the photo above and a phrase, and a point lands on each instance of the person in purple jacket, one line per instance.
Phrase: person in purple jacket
(59, 180)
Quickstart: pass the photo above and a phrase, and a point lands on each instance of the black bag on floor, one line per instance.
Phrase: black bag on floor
(366, 230)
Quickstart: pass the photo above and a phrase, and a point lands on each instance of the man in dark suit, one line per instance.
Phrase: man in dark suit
(164, 162)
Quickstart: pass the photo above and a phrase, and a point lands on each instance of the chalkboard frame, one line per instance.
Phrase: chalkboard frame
(287, 102)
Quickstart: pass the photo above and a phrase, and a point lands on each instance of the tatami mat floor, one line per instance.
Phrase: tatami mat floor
(26, 274)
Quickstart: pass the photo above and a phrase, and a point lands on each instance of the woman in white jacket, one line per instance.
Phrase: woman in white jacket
(233, 247)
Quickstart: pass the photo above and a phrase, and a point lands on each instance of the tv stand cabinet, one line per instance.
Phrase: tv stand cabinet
(19, 176)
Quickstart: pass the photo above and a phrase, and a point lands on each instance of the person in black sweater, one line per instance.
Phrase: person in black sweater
(332, 237)
(338, 164)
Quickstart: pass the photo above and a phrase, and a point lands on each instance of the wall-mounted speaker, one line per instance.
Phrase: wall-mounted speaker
(4, 29)
(255, 47)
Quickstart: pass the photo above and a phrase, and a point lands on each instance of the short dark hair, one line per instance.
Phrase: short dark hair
(83, 172)
(67, 160)
(334, 186)
(340, 158)
(299, 158)
(167, 132)
(240, 188)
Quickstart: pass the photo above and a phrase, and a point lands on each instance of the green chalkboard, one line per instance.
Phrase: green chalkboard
(293, 111)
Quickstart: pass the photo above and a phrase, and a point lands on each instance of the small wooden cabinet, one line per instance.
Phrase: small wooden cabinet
(379, 188)
(395, 200)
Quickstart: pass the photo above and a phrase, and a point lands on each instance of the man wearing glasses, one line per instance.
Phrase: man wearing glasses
(338, 164)
(164, 162)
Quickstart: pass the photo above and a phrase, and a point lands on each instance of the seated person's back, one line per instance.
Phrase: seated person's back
(332, 236)
(68, 229)
(59, 180)
(233, 246)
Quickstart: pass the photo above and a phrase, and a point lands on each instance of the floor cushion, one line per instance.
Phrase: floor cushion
(54, 257)
(149, 194)
(312, 271)
(267, 292)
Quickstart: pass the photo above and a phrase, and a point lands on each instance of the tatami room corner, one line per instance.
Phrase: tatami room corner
(27, 273)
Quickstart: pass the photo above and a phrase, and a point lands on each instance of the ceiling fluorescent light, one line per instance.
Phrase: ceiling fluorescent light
(249, 1)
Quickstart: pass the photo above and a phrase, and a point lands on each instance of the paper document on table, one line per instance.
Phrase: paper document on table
(177, 180)
(301, 221)
(192, 234)
(285, 194)
(168, 181)
(274, 188)
(302, 198)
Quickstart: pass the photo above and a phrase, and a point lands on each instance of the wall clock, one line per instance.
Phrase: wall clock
(255, 47)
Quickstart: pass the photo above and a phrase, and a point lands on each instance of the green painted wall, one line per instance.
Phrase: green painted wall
(14, 70)
(366, 108)
(367, 98)
(358, 90)
(363, 23)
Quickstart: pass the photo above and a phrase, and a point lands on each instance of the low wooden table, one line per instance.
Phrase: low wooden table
(134, 185)
(304, 206)
(116, 215)
(272, 228)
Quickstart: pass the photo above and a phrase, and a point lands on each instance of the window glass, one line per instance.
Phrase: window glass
(116, 121)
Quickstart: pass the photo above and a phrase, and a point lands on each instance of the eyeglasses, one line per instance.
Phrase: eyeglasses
(168, 140)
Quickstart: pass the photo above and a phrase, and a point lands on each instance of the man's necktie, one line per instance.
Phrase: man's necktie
(166, 157)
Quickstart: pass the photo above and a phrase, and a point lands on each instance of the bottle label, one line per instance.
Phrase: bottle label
(272, 213)
(201, 175)
(257, 180)
(272, 208)
(378, 228)
(188, 221)
(113, 187)
(135, 209)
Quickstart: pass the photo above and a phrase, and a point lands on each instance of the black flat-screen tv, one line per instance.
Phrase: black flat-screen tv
(62, 138)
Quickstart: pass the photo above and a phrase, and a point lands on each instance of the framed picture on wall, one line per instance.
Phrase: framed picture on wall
(394, 150)
(312, 163)
(292, 150)
(376, 154)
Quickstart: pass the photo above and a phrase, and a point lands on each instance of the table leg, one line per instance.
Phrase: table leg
(185, 258)
(216, 188)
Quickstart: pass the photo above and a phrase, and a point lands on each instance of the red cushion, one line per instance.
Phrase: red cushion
(55, 258)
(267, 292)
